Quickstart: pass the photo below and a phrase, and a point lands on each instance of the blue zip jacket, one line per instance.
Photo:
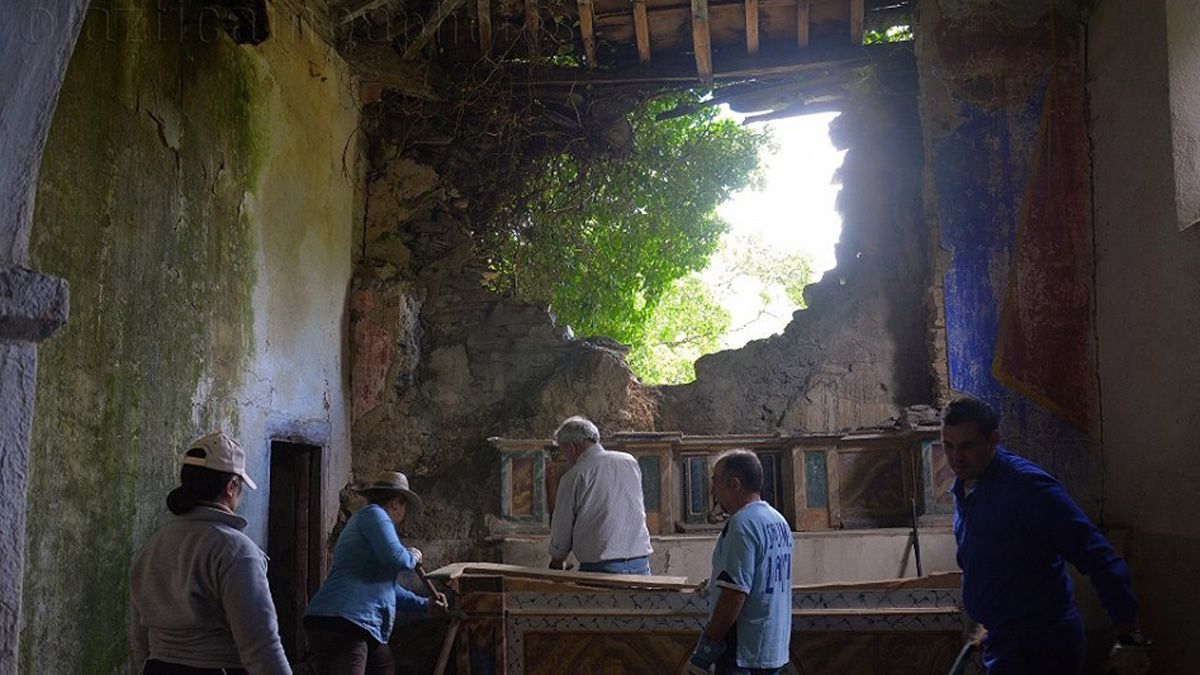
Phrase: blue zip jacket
(361, 586)
(1014, 530)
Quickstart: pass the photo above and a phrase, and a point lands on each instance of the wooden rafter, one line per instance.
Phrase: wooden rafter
(348, 12)
(669, 68)
(702, 40)
(484, 8)
(802, 24)
(587, 32)
(856, 22)
(641, 26)
(752, 27)
(444, 9)
(533, 27)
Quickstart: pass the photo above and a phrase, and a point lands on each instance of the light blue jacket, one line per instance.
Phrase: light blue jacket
(361, 586)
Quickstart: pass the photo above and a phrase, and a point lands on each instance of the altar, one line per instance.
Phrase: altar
(515, 620)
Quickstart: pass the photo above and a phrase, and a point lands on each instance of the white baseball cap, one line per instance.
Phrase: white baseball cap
(221, 453)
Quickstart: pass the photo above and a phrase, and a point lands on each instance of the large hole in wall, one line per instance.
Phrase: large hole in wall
(443, 358)
(782, 232)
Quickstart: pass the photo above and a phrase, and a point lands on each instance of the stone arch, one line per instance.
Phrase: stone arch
(35, 45)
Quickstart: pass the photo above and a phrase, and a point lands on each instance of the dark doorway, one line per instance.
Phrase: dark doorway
(294, 538)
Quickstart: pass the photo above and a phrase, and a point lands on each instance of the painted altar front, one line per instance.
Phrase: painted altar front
(520, 620)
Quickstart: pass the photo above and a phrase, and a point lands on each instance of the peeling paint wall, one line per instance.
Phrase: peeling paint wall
(199, 196)
(1008, 198)
(1148, 316)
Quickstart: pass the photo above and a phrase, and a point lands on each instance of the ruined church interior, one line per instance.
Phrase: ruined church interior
(285, 219)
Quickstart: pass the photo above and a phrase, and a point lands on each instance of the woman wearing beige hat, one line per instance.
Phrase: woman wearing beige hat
(349, 620)
(199, 600)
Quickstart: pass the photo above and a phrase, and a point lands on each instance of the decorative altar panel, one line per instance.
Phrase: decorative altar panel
(818, 481)
(876, 479)
(937, 478)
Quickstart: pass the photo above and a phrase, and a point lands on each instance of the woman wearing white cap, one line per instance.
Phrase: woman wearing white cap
(349, 620)
(200, 603)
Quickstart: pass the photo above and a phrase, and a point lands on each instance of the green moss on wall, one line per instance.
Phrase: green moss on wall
(158, 136)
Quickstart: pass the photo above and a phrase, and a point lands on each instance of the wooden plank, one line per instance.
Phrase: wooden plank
(856, 22)
(702, 41)
(533, 28)
(752, 27)
(456, 570)
(344, 14)
(316, 523)
(641, 26)
(834, 476)
(444, 9)
(736, 73)
(802, 24)
(587, 32)
(816, 611)
(484, 8)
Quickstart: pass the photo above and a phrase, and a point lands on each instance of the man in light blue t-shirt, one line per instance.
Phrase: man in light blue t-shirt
(750, 623)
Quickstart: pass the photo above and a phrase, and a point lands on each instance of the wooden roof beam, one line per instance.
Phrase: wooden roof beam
(347, 12)
(587, 32)
(702, 41)
(484, 8)
(444, 9)
(752, 27)
(533, 28)
(856, 22)
(802, 24)
(641, 26)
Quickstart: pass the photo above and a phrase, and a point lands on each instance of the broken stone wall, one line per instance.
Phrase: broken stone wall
(440, 363)
(860, 351)
(1147, 309)
(200, 197)
(1008, 199)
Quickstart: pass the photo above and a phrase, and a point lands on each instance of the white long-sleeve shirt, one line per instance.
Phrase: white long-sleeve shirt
(599, 513)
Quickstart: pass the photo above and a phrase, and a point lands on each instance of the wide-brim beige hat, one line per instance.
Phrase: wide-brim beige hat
(221, 453)
(393, 481)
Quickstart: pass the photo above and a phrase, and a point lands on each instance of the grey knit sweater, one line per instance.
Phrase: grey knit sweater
(199, 597)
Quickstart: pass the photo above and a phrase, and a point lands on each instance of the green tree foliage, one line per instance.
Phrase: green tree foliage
(687, 323)
(899, 33)
(603, 239)
(789, 270)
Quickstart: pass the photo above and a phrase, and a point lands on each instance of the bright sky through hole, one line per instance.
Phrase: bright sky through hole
(793, 212)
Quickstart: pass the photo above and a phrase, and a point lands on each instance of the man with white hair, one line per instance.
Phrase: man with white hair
(598, 513)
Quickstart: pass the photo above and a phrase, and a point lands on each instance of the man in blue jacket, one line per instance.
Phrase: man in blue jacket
(1016, 527)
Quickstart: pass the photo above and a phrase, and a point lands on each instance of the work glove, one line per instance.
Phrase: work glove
(437, 604)
(705, 655)
(416, 554)
(1130, 655)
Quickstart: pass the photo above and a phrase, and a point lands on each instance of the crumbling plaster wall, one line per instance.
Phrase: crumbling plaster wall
(200, 197)
(861, 350)
(1009, 203)
(1148, 312)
